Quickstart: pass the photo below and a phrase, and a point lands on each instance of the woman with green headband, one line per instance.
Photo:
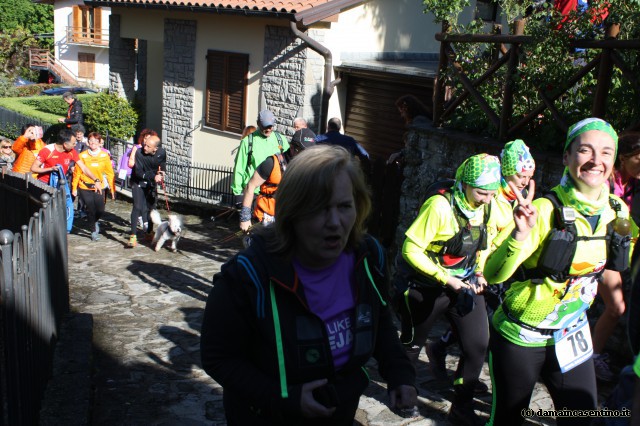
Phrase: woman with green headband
(443, 246)
(541, 329)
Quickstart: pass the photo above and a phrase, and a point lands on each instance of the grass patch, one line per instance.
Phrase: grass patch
(44, 108)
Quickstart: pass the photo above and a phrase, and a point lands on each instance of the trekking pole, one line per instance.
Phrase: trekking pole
(226, 212)
(231, 236)
(164, 189)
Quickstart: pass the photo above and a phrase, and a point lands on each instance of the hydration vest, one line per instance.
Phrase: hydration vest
(265, 201)
(562, 241)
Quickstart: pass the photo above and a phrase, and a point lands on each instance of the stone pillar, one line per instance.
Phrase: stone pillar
(122, 61)
(283, 76)
(178, 93)
(141, 71)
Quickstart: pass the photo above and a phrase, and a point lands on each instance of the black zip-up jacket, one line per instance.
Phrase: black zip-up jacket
(256, 298)
(74, 114)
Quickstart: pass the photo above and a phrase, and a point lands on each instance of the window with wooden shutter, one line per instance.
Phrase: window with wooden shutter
(87, 65)
(226, 90)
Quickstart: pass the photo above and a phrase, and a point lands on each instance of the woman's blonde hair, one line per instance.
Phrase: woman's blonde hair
(307, 187)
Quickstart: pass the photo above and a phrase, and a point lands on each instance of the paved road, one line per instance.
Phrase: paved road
(147, 309)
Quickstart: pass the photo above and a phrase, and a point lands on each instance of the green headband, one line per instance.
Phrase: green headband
(480, 171)
(515, 158)
(590, 124)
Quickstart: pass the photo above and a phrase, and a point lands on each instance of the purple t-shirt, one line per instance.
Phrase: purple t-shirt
(329, 293)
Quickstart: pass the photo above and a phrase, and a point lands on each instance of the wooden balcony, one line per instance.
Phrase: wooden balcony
(87, 36)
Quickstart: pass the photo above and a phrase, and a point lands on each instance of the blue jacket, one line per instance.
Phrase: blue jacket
(334, 137)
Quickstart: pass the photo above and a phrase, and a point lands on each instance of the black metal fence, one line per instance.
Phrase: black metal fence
(203, 183)
(34, 286)
(11, 123)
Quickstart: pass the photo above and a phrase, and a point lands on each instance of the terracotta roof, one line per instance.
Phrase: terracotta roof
(307, 11)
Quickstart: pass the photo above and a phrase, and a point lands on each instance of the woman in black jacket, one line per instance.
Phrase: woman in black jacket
(292, 320)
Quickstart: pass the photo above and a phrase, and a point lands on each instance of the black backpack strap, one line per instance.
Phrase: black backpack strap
(249, 152)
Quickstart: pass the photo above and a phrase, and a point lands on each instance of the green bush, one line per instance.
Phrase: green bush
(110, 113)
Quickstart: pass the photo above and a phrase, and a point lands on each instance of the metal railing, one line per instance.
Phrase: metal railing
(11, 123)
(34, 286)
(42, 59)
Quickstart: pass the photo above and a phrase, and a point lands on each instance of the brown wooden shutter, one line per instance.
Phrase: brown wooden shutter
(76, 24)
(215, 89)
(236, 84)
(97, 23)
(87, 65)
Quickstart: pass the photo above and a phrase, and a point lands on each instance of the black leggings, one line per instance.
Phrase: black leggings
(472, 330)
(94, 203)
(515, 370)
(144, 200)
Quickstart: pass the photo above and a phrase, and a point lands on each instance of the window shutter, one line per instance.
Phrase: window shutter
(215, 90)
(97, 25)
(76, 24)
(87, 65)
(236, 84)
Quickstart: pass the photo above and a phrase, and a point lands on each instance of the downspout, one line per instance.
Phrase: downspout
(328, 84)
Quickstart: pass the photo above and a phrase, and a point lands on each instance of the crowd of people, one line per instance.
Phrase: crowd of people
(513, 271)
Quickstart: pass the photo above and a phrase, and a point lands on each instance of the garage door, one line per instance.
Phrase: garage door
(371, 115)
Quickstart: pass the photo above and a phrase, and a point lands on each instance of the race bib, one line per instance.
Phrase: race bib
(573, 345)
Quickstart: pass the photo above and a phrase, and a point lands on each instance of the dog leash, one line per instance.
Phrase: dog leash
(164, 189)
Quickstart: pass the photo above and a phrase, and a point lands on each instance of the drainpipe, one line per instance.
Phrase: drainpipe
(328, 84)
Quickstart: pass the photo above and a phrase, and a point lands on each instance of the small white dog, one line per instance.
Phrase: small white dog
(168, 230)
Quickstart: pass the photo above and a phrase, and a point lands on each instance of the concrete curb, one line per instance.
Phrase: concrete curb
(67, 398)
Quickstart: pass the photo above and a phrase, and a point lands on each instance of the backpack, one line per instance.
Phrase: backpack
(464, 243)
(561, 244)
(250, 151)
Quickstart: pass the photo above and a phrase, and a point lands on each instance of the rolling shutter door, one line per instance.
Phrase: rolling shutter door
(371, 114)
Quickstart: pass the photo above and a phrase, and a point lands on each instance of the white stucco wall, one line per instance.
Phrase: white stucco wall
(68, 54)
(379, 29)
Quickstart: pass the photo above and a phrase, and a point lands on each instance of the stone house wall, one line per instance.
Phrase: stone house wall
(284, 88)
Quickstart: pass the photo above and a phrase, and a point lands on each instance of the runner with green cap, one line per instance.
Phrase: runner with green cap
(443, 246)
(560, 244)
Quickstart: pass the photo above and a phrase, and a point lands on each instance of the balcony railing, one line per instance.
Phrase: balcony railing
(88, 36)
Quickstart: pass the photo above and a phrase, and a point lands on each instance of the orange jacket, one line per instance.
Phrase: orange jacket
(26, 150)
(100, 166)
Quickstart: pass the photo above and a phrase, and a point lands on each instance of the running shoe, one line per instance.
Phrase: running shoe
(603, 372)
(133, 241)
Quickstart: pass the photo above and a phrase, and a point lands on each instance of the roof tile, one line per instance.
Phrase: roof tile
(286, 6)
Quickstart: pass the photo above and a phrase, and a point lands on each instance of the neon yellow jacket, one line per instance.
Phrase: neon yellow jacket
(549, 305)
(436, 221)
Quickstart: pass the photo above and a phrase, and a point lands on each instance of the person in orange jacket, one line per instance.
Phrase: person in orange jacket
(27, 147)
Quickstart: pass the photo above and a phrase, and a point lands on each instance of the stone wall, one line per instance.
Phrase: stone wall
(141, 70)
(283, 76)
(122, 61)
(178, 91)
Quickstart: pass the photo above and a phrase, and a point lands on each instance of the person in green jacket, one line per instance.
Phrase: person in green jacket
(254, 149)
(541, 328)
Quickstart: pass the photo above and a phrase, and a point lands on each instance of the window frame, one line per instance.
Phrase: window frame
(226, 82)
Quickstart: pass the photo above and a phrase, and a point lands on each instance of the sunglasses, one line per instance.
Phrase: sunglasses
(5, 146)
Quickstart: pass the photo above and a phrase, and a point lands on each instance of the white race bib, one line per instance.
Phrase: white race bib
(573, 345)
